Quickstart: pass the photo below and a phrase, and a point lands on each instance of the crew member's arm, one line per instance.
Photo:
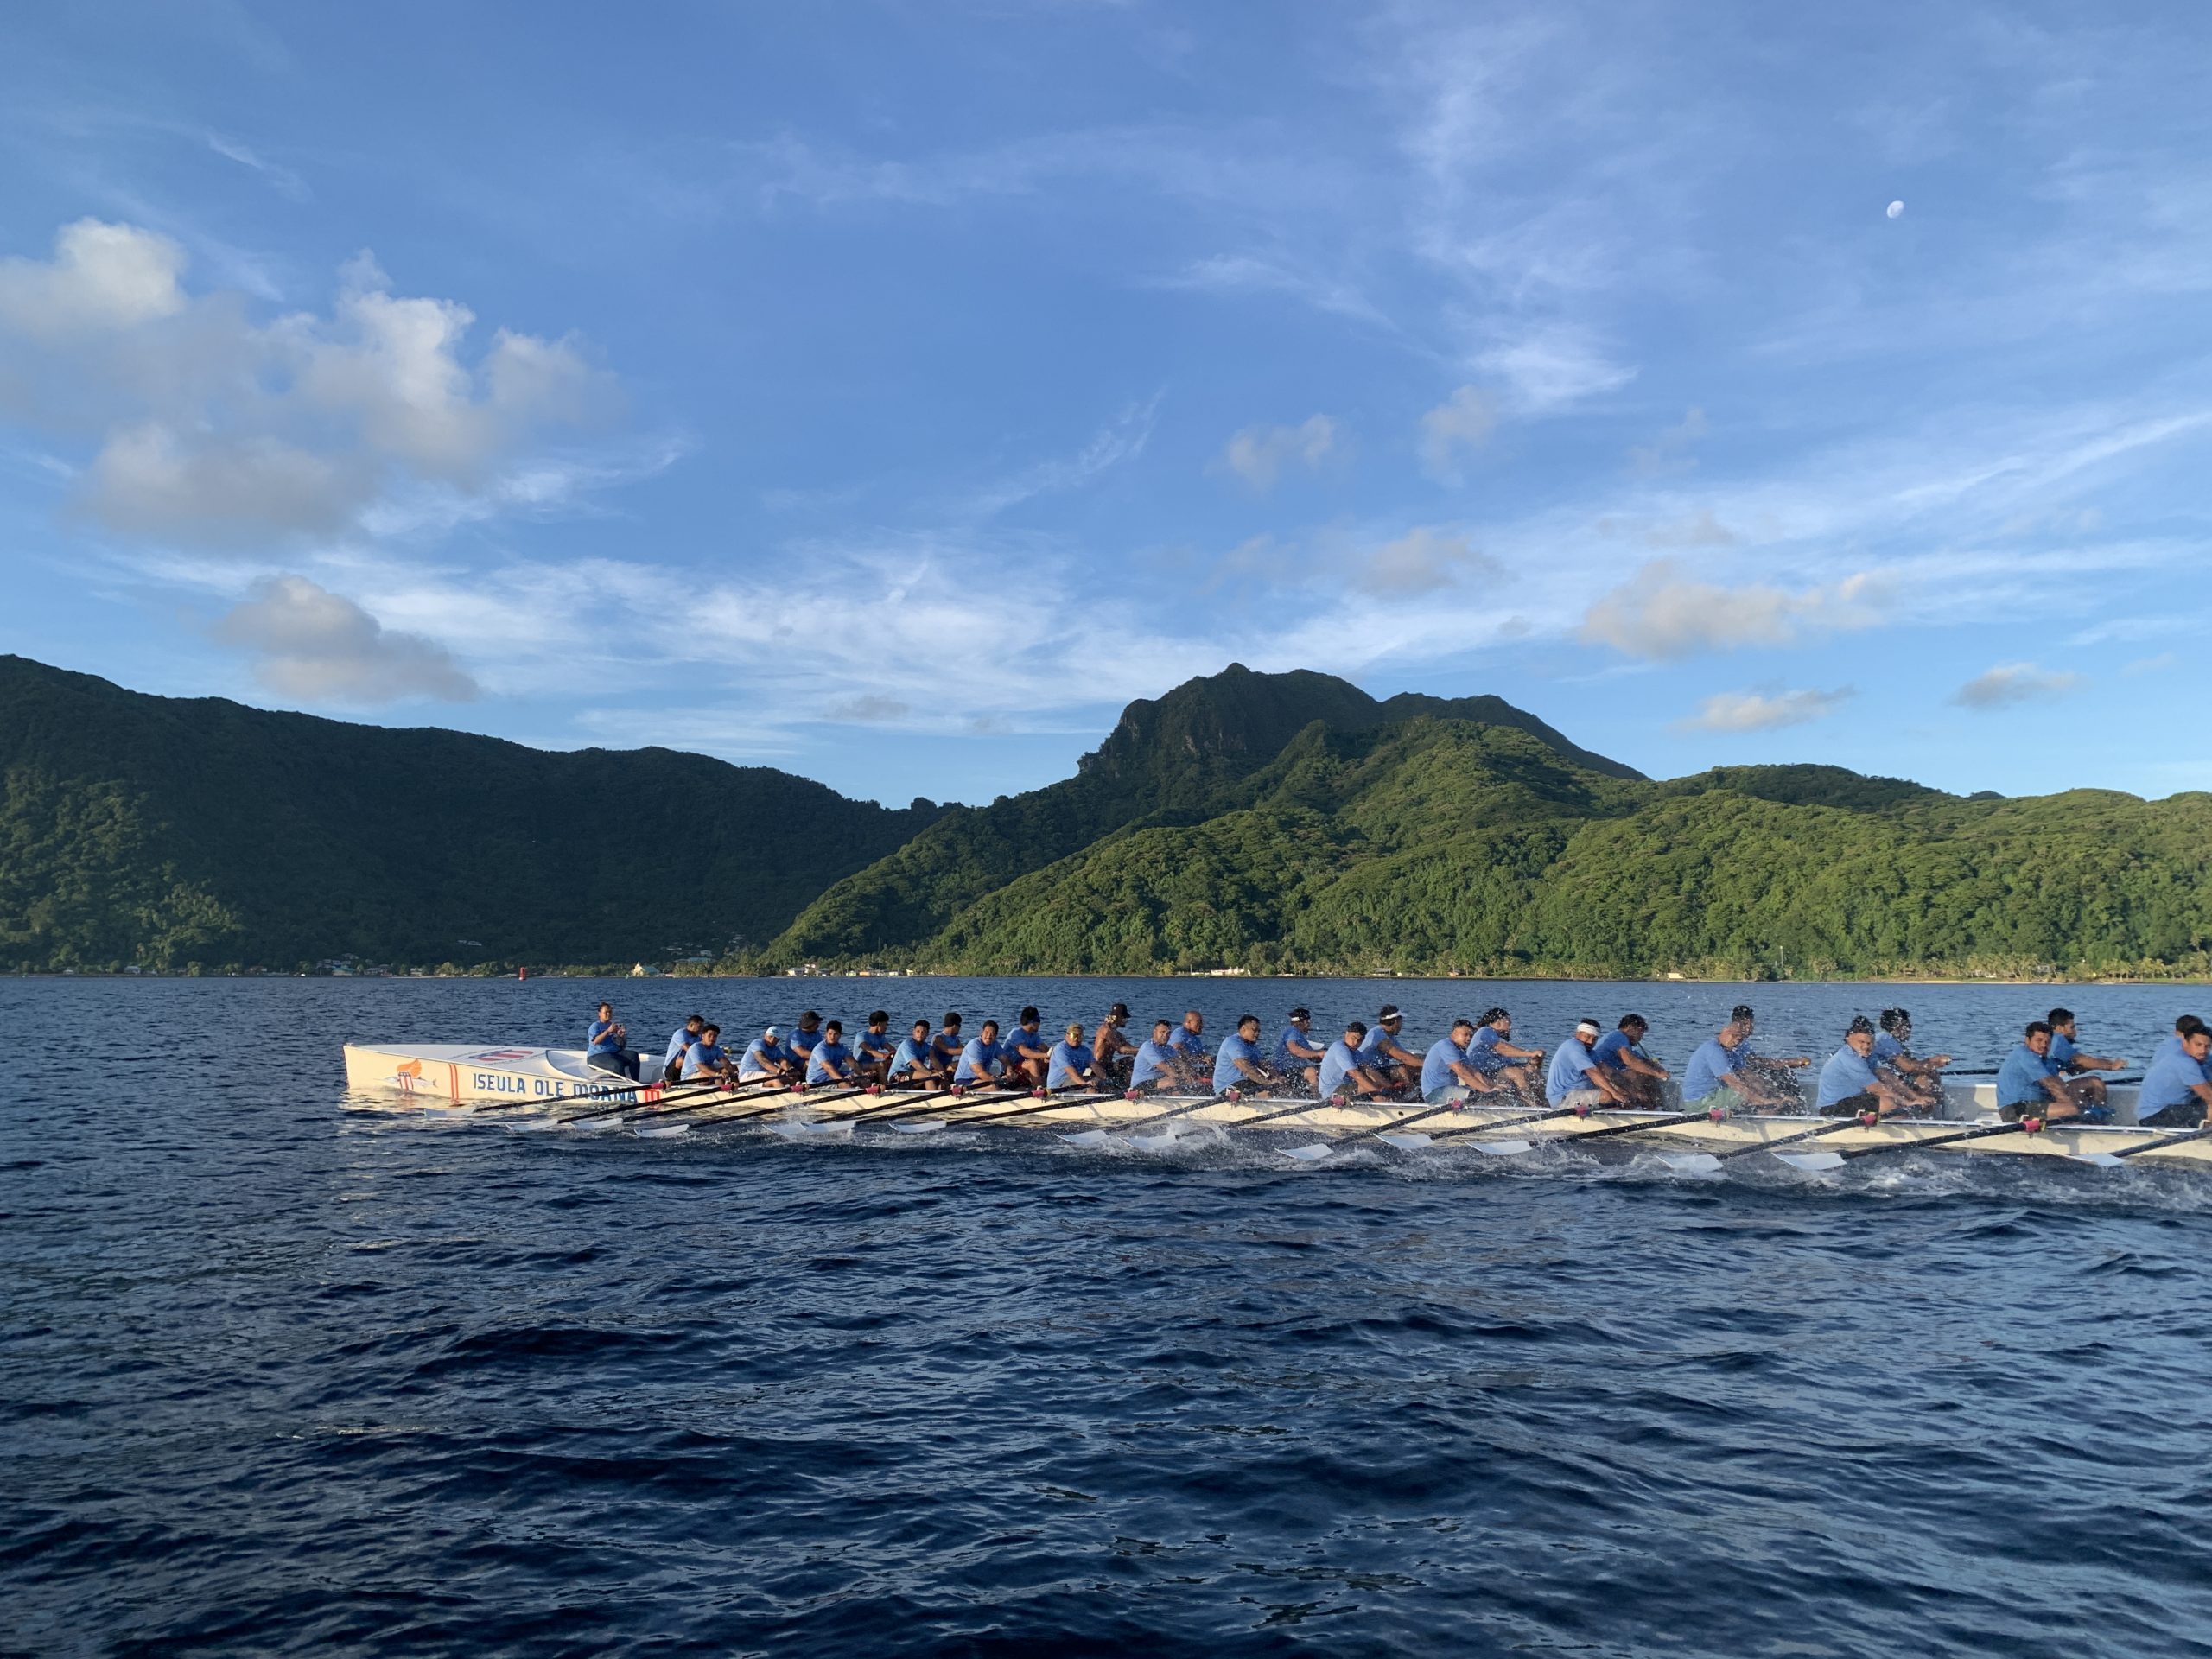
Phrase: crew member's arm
(2081, 1062)
(1602, 1077)
(1635, 1062)
(1745, 1084)
(1474, 1079)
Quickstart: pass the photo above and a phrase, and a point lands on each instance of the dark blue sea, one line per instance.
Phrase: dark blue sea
(281, 1374)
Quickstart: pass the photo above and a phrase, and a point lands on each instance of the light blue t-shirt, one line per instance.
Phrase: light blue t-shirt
(1336, 1065)
(876, 1045)
(1186, 1041)
(702, 1060)
(1610, 1048)
(1371, 1048)
(1287, 1059)
(1845, 1074)
(913, 1054)
(2168, 1044)
(602, 1039)
(1481, 1050)
(761, 1057)
(2062, 1051)
(1225, 1074)
(1152, 1060)
(978, 1062)
(2019, 1080)
(1067, 1066)
(1019, 1038)
(2169, 1082)
(683, 1039)
(1887, 1050)
(802, 1043)
(1436, 1067)
(1713, 1063)
(824, 1055)
(1569, 1069)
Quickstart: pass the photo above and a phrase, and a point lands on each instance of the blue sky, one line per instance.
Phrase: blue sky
(889, 393)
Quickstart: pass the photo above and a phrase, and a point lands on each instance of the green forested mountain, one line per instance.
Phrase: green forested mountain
(164, 831)
(1426, 836)
(1274, 822)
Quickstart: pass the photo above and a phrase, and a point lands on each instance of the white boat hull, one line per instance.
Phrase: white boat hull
(521, 1077)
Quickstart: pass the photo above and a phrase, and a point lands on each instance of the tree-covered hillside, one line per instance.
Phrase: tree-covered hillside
(162, 831)
(1442, 844)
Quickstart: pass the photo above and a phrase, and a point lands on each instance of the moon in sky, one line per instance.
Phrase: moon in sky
(1895, 208)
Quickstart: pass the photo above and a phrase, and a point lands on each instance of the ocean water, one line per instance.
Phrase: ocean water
(283, 1373)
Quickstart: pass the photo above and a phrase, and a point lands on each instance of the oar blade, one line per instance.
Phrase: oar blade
(1691, 1163)
(918, 1126)
(1087, 1138)
(2099, 1161)
(533, 1125)
(1812, 1162)
(659, 1131)
(1504, 1148)
(1313, 1151)
(804, 1131)
(1159, 1142)
(1407, 1140)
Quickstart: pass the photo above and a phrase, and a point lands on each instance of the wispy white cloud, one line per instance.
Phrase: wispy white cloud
(1454, 430)
(1664, 613)
(1672, 451)
(1765, 711)
(1258, 453)
(2009, 683)
(1123, 440)
(281, 180)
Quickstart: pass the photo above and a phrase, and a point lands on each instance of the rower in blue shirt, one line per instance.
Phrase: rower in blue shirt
(1155, 1065)
(2070, 1062)
(765, 1057)
(1921, 1081)
(1719, 1074)
(2026, 1086)
(873, 1049)
(1575, 1077)
(915, 1065)
(802, 1041)
(1620, 1051)
(829, 1061)
(1492, 1052)
(1026, 1050)
(1444, 1074)
(1345, 1071)
(706, 1059)
(979, 1060)
(1297, 1053)
(671, 1063)
(1069, 1066)
(2177, 1088)
(1194, 1066)
(1850, 1083)
(949, 1042)
(1771, 1076)
(1385, 1056)
(607, 1045)
(1239, 1065)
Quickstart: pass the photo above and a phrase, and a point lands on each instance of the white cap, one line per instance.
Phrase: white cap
(772, 1032)
(1590, 1025)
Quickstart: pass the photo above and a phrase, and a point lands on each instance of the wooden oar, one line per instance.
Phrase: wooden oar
(1314, 1151)
(2157, 1143)
(1704, 1163)
(692, 1100)
(1827, 1159)
(1514, 1148)
(1099, 1137)
(1057, 1102)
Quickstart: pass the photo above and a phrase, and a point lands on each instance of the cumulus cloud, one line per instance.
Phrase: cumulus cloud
(102, 278)
(210, 428)
(2014, 682)
(1424, 560)
(1258, 453)
(1763, 711)
(1453, 428)
(322, 648)
(1700, 529)
(1663, 614)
